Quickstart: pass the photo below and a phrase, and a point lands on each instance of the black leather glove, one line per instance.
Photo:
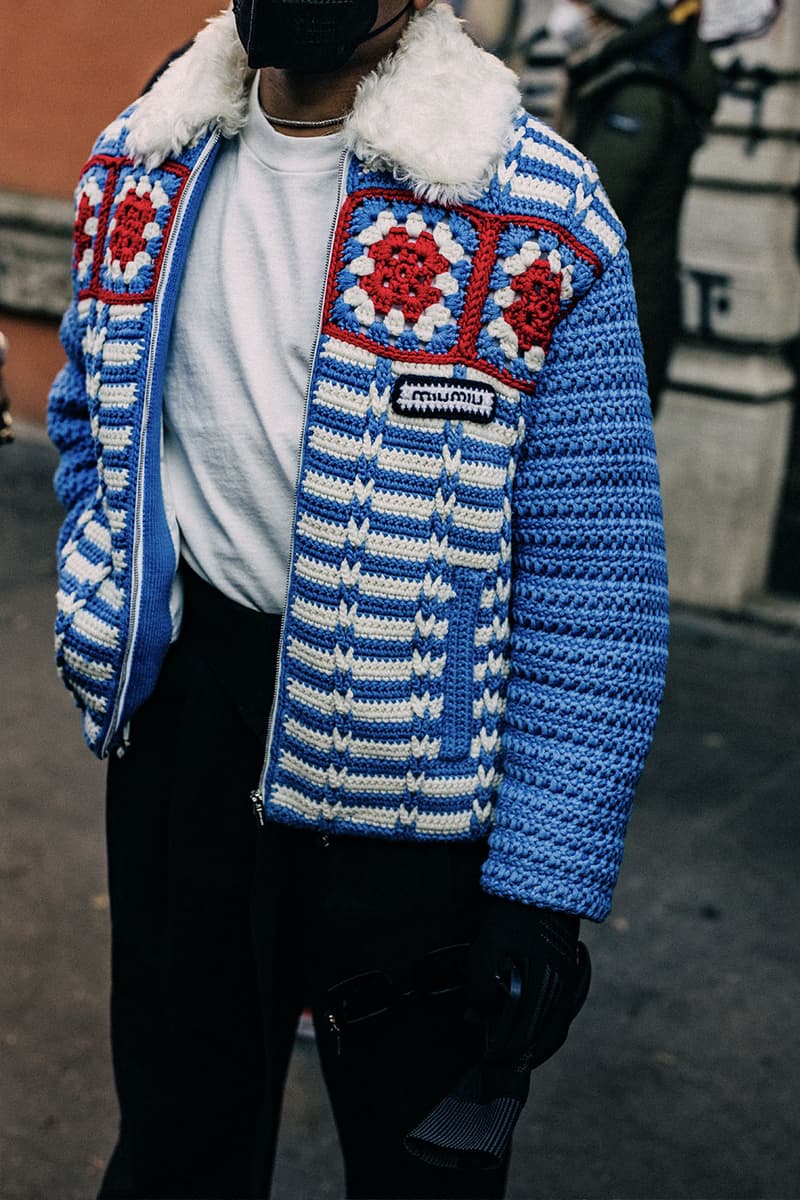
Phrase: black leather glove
(523, 970)
(528, 978)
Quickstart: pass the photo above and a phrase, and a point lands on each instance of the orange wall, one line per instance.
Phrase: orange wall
(34, 356)
(68, 67)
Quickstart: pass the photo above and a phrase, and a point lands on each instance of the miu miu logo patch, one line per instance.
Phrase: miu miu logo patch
(445, 399)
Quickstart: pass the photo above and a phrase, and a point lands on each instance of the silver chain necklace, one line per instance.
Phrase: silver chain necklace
(328, 123)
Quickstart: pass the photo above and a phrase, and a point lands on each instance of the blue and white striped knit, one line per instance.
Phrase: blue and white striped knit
(474, 637)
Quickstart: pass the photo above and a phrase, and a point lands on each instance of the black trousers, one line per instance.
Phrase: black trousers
(222, 932)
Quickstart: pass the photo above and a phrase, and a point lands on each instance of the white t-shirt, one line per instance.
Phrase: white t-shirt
(239, 359)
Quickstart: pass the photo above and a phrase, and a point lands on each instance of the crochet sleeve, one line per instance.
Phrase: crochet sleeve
(70, 430)
(588, 613)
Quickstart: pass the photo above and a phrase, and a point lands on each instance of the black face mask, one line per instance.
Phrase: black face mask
(310, 36)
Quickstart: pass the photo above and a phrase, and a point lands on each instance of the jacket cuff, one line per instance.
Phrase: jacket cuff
(550, 872)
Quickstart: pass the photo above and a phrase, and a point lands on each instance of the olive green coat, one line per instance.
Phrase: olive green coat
(639, 108)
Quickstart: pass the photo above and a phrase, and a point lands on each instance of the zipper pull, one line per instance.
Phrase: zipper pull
(337, 1033)
(125, 741)
(257, 802)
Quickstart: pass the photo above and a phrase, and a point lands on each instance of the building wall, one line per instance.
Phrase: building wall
(725, 429)
(68, 68)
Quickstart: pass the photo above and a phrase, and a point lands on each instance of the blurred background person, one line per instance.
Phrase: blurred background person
(641, 93)
(6, 431)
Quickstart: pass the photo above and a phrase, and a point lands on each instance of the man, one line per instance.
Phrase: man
(360, 488)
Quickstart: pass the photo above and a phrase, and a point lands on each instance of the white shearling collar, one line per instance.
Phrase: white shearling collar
(436, 112)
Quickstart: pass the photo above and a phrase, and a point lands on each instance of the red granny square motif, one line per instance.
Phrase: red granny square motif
(531, 302)
(127, 240)
(404, 274)
(532, 315)
(135, 234)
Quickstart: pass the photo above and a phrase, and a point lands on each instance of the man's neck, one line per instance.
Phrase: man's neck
(307, 97)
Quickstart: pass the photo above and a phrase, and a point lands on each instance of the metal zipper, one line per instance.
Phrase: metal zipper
(186, 196)
(257, 795)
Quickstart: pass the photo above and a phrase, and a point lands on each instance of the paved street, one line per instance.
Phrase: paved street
(679, 1079)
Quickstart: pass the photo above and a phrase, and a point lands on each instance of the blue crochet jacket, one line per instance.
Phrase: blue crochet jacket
(474, 638)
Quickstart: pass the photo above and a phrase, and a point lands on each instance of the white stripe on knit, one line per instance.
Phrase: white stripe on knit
(596, 225)
(424, 370)
(327, 487)
(372, 670)
(346, 352)
(90, 726)
(341, 398)
(95, 630)
(383, 587)
(406, 549)
(311, 656)
(117, 395)
(448, 787)
(389, 711)
(97, 703)
(116, 478)
(380, 818)
(541, 152)
(322, 574)
(82, 570)
(314, 738)
(431, 425)
(417, 508)
(405, 462)
(125, 312)
(324, 532)
(367, 748)
(92, 670)
(122, 354)
(530, 187)
(366, 625)
(395, 546)
(482, 475)
(478, 520)
(459, 557)
(306, 772)
(335, 445)
(421, 508)
(330, 576)
(113, 438)
(98, 535)
(287, 797)
(502, 389)
(111, 595)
